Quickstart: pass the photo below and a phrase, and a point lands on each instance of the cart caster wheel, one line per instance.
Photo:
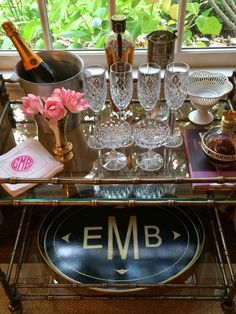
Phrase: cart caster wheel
(16, 308)
(228, 307)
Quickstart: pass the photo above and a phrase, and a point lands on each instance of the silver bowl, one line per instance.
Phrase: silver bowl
(221, 160)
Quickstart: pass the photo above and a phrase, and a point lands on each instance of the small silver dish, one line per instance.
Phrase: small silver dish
(217, 159)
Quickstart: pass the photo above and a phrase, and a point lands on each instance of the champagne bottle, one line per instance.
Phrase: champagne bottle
(37, 70)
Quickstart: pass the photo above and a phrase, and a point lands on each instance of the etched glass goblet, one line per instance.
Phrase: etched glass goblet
(121, 86)
(95, 92)
(148, 86)
(150, 134)
(113, 134)
(175, 88)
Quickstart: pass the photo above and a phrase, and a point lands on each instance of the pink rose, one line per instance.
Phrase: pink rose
(54, 109)
(56, 106)
(31, 104)
(71, 99)
(60, 94)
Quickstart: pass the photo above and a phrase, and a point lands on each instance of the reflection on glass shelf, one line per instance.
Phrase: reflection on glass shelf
(113, 191)
(153, 191)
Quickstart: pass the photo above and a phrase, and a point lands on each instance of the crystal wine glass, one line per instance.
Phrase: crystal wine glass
(113, 134)
(149, 83)
(95, 91)
(175, 88)
(150, 134)
(121, 85)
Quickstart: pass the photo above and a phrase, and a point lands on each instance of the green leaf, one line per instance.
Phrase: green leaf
(193, 8)
(146, 22)
(57, 9)
(96, 4)
(208, 25)
(100, 42)
(30, 29)
(187, 35)
(207, 12)
(39, 44)
(86, 37)
(101, 13)
(134, 3)
(200, 44)
(134, 28)
(105, 25)
(166, 6)
(171, 22)
(173, 11)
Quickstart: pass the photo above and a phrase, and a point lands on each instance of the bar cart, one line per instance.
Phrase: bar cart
(83, 189)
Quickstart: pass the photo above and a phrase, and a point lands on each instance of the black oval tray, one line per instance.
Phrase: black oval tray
(121, 245)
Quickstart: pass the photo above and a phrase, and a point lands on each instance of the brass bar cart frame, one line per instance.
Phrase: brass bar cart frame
(18, 291)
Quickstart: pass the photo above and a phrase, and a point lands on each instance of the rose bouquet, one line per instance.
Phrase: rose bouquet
(55, 108)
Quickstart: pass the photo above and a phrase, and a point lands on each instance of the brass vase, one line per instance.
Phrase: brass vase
(63, 148)
(54, 136)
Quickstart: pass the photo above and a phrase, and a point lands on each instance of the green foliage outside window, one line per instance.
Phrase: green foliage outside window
(83, 24)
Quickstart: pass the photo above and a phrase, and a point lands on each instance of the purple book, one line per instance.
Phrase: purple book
(199, 165)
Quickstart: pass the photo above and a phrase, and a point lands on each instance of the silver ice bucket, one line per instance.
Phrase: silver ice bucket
(161, 46)
(68, 67)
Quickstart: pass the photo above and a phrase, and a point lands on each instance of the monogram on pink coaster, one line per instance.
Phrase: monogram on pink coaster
(22, 163)
(29, 159)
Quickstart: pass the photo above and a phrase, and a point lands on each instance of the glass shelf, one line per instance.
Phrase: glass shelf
(84, 179)
(83, 182)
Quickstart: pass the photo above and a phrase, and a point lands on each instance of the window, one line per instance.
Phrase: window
(206, 29)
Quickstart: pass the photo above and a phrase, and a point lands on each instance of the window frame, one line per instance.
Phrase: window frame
(212, 57)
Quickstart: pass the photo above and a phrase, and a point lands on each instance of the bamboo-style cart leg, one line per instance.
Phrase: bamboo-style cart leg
(14, 304)
(228, 307)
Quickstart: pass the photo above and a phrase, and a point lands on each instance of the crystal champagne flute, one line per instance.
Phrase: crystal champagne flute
(121, 86)
(175, 88)
(95, 91)
(148, 87)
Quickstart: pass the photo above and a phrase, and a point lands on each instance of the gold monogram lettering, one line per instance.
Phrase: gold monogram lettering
(149, 235)
(132, 229)
(88, 237)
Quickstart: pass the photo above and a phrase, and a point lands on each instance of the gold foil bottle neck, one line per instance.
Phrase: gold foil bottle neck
(30, 59)
(9, 28)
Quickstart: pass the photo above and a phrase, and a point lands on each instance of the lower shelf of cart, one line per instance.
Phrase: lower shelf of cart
(208, 278)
